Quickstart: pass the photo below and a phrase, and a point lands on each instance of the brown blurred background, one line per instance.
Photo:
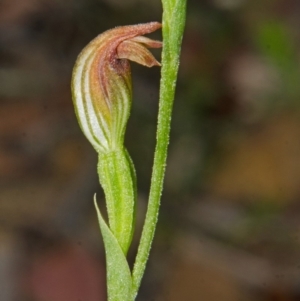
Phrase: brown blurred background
(229, 226)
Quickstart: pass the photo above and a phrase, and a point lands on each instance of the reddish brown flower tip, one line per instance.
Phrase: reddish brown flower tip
(136, 52)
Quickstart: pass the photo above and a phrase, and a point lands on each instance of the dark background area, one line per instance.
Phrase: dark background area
(229, 226)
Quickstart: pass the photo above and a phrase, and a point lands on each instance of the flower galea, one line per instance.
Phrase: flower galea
(101, 83)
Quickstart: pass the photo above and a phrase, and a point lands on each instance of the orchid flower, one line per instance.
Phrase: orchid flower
(102, 97)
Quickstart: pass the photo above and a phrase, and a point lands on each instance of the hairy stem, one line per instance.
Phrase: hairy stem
(173, 25)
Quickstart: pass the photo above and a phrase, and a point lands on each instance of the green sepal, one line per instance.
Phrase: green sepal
(119, 280)
(118, 179)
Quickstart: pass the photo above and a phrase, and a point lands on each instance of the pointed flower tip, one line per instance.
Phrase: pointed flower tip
(135, 48)
(150, 26)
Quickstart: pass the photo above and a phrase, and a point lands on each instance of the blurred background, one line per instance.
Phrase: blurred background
(229, 226)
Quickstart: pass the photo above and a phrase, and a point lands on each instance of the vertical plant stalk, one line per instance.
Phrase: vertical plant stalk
(174, 12)
(101, 90)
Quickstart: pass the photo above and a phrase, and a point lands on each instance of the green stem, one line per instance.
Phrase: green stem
(173, 25)
(117, 177)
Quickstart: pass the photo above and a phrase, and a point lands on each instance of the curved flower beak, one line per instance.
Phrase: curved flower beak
(101, 82)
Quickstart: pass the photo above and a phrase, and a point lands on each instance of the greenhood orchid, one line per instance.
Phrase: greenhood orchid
(102, 96)
(101, 82)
